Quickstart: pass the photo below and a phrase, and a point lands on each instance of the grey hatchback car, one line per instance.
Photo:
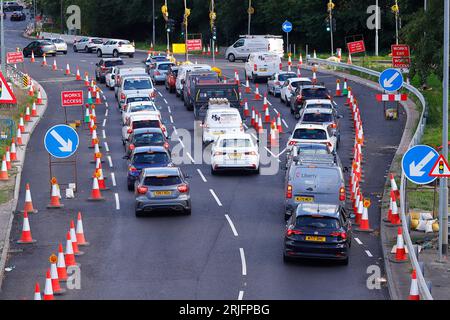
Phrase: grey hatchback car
(162, 189)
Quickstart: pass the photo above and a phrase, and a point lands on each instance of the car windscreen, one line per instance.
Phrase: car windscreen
(151, 158)
(143, 107)
(317, 222)
(162, 181)
(146, 124)
(164, 66)
(114, 63)
(236, 143)
(205, 77)
(310, 134)
(58, 40)
(148, 139)
(315, 93)
(138, 99)
(46, 43)
(204, 94)
(124, 42)
(327, 106)
(159, 58)
(317, 149)
(137, 84)
(284, 77)
(317, 117)
(97, 41)
(297, 84)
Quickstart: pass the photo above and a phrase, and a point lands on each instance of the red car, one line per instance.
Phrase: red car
(171, 79)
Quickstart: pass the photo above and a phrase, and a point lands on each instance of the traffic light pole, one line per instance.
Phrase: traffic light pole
(2, 40)
(212, 36)
(331, 32)
(186, 55)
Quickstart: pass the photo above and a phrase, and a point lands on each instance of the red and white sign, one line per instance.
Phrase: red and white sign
(72, 98)
(14, 57)
(356, 47)
(400, 50)
(392, 97)
(401, 62)
(6, 94)
(194, 45)
(441, 169)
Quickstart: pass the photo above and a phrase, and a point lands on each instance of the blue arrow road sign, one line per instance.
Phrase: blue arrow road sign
(391, 80)
(61, 141)
(418, 163)
(287, 26)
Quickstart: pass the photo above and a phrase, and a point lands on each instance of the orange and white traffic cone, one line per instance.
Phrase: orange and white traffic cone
(86, 79)
(26, 237)
(67, 73)
(360, 210)
(252, 120)
(27, 114)
(399, 249)
(101, 178)
(216, 50)
(21, 123)
(314, 78)
(57, 290)
(95, 193)
(279, 125)
(69, 257)
(39, 98)
(97, 153)
(8, 159)
(314, 55)
(81, 240)
(394, 186)
(48, 290)
(248, 89)
(94, 139)
(364, 225)
(209, 51)
(34, 111)
(33, 60)
(55, 196)
(31, 91)
(267, 116)
(54, 67)
(257, 95)
(391, 201)
(44, 61)
(19, 137)
(299, 72)
(4, 170)
(204, 51)
(98, 100)
(73, 238)
(266, 102)
(349, 60)
(338, 88)
(274, 137)
(13, 152)
(37, 292)
(28, 207)
(61, 265)
(256, 120)
(300, 60)
(246, 110)
(414, 290)
(78, 76)
(260, 125)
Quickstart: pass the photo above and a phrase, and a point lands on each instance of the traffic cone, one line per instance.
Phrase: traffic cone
(414, 290)
(61, 265)
(78, 77)
(37, 292)
(34, 110)
(57, 290)
(31, 91)
(394, 187)
(395, 217)
(338, 88)
(13, 151)
(266, 102)
(94, 139)
(349, 96)
(87, 115)
(364, 225)
(27, 113)
(289, 62)
(86, 79)
(93, 114)
(260, 125)
(246, 110)
(33, 60)
(389, 215)
(209, 51)
(73, 238)
(359, 211)
(8, 159)
(19, 137)
(101, 178)
(300, 60)
(44, 61)
(279, 126)
(39, 98)
(98, 100)
(267, 116)
(299, 73)
(95, 193)
(257, 95)
(21, 123)
(314, 55)
(69, 257)
(48, 290)
(349, 60)
(203, 51)
(399, 248)
(26, 237)
(81, 240)
(345, 89)
(255, 125)
(314, 78)
(274, 137)
(54, 67)
(89, 100)
(4, 171)
(55, 195)
(67, 70)
(28, 206)
(252, 121)
(247, 86)
(216, 51)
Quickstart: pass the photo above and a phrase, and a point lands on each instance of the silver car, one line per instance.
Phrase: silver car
(60, 44)
(325, 116)
(275, 82)
(159, 70)
(162, 189)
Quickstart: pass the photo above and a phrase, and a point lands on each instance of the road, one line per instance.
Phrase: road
(231, 246)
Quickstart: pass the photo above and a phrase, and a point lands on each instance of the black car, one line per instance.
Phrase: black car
(145, 137)
(18, 16)
(318, 231)
(203, 92)
(308, 92)
(192, 79)
(39, 47)
(105, 66)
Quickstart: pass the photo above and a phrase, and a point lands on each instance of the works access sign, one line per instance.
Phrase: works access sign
(14, 57)
(72, 98)
(6, 94)
(356, 47)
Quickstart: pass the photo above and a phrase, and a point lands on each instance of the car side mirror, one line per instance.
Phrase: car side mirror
(340, 116)
(296, 159)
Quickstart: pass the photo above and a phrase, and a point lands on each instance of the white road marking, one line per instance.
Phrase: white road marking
(254, 136)
(284, 150)
(165, 101)
(171, 119)
(244, 264)
(113, 179)
(106, 113)
(104, 134)
(271, 153)
(104, 122)
(106, 146)
(190, 157)
(175, 130)
(369, 254)
(285, 124)
(335, 103)
(181, 142)
(276, 111)
(201, 175)
(169, 109)
(160, 94)
(241, 295)
(106, 104)
(110, 161)
(116, 195)
(358, 241)
(215, 197)
(232, 225)
(245, 126)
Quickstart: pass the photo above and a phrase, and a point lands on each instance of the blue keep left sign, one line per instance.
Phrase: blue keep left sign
(418, 162)
(287, 26)
(61, 141)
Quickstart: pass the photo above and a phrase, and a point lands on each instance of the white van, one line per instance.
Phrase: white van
(142, 85)
(221, 120)
(182, 70)
(242, 48)
(262, 65)
(126, 71)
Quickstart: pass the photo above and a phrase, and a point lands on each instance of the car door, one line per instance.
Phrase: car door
(240, 49)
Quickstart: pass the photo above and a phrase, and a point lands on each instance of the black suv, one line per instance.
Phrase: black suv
(192, 79)
(308, 92)
(105, 66)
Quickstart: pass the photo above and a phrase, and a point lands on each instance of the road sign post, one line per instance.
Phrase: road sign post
(287, 27)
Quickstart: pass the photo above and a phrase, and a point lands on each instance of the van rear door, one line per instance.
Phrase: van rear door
(316, 184)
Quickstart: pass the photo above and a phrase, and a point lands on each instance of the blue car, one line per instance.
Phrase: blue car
(146, 157)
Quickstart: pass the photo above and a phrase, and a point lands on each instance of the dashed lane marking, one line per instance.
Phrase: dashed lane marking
(233, 228)
(369, 254)
(285, 124)
(215, 197)
(175, 130)
(106, 113)
(113, 179)
(104, 123)
(201, 175)
(165, 101)
(244, 264)
(160, 94)
(272, 154)
(181, 142)
(110, 161)
(358, 241)
(190, 157)
(106, 146)
(171, 119)
(169, 109)
(241, 295)
(104, 134)
(116, 195)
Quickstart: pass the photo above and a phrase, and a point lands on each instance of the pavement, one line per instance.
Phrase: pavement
(231, 246)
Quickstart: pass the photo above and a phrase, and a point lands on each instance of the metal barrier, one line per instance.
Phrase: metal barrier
(423, 288)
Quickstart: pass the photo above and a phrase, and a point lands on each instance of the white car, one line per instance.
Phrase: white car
(275, 82)
(143, 120)
(138, 108)
(313, 133)
(235, 151)
(87, 44)
(289, 86)
(182, 70)
(142, 85)
(122, 71)
(262, 65)
(110, 78)
(219, 121)
(137, 97)
(116, 48)
(60, 44)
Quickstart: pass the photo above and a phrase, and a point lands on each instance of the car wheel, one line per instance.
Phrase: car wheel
(281, 98)
(231, 57)
(138, 214)
(65, 52)
(286, 259)
(75, 49)
(253, 78)
(54, 55)
(115, 53)
(188, 212)
(130, 186)
(86, 49)
(99, 53)
(213, 172)
(297, 116)
(131, 55)
(345, 262)
(257, 171)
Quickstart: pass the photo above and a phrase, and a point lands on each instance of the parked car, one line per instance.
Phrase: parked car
(318, 231)
(162, 189)
(193, 79)
(116, 48)
(159, 70)
(262, 65)
(86, 44)
(146, 137)
(39, 47)
(275, 82)
(105, 66)
(171, 78)
(18, 16)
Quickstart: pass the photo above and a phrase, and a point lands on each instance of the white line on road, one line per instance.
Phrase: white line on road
(276, 111)
(190, 157)
(244, 264)
(116, 195)
(175, 130)
(245, 126)
(106, 104)
(104, 134)
(106, 146)
(169, 109)
(171, 119)
(369, 254)
(181, 142)
(285, 124)
(241, 295)
(271, 153)
(106, 113)
(160, 94)
(215, 197)
(165, 101)
(358, 241)
(110, 161)
(232, 225)
(104, 122)
(201, 175)
(113, 179)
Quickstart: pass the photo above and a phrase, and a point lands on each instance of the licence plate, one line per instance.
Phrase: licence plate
(218, 133)
(315, 238)
(304, 199)
(162, 193)
(235, 156)
(263, 69)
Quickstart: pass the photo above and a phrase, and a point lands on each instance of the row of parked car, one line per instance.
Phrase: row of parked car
(109, 47)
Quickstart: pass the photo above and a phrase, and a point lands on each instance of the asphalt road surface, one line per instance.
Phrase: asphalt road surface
(231, 246)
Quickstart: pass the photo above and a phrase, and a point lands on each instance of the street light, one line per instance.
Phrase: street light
(2, 40)
(330, 7)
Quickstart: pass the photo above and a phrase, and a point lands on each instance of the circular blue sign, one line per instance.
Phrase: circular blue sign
(61, 141)
(391, 80)
(286, 27)
(418, 163)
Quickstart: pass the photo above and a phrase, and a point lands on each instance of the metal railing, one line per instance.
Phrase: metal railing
(417, 137)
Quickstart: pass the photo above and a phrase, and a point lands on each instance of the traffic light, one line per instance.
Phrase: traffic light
(214, 33)
(170, 25)
(327, 24)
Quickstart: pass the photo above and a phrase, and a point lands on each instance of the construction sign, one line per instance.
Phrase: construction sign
(441, 169)
(6, 94)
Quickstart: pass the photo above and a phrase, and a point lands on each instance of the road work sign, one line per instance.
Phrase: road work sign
(61, 141)
(6, 94)
(418, 162)
(72, 98)
(441, 169)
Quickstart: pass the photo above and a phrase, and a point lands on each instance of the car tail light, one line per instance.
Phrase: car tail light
(153, 94)
(281, 66)
(103, 68)
(183, 188)
(163, 128)
(251, 153)
(124, 107)
(292, 142)
(291, 232)
(255, 67)
(299, 99)
(131, 147)
(157, 73)
(329, 144)
(130, 131)
(166, 145)
(142, 190)
(132, 169)
(122, 96)
(219, 153)
(333, 125)
(277, 83)
(342, 194)
(342, 235)
(289, 192)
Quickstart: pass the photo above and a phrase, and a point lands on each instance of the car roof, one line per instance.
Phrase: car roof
(242, 135)
(150, 148)
(309, 126)
(112, 59)
(163, 62)
(141, 103)
(318, 101)
(312, 87)
(169, 171)
(327, 210)
(299, 79)
(144, 116)
(319, 110)
(286, 72)
(147, 130)
(138, 95)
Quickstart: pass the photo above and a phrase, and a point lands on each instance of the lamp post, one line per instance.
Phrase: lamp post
(330, 8)
(187, 12)
(2, 39)
(249, 11)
